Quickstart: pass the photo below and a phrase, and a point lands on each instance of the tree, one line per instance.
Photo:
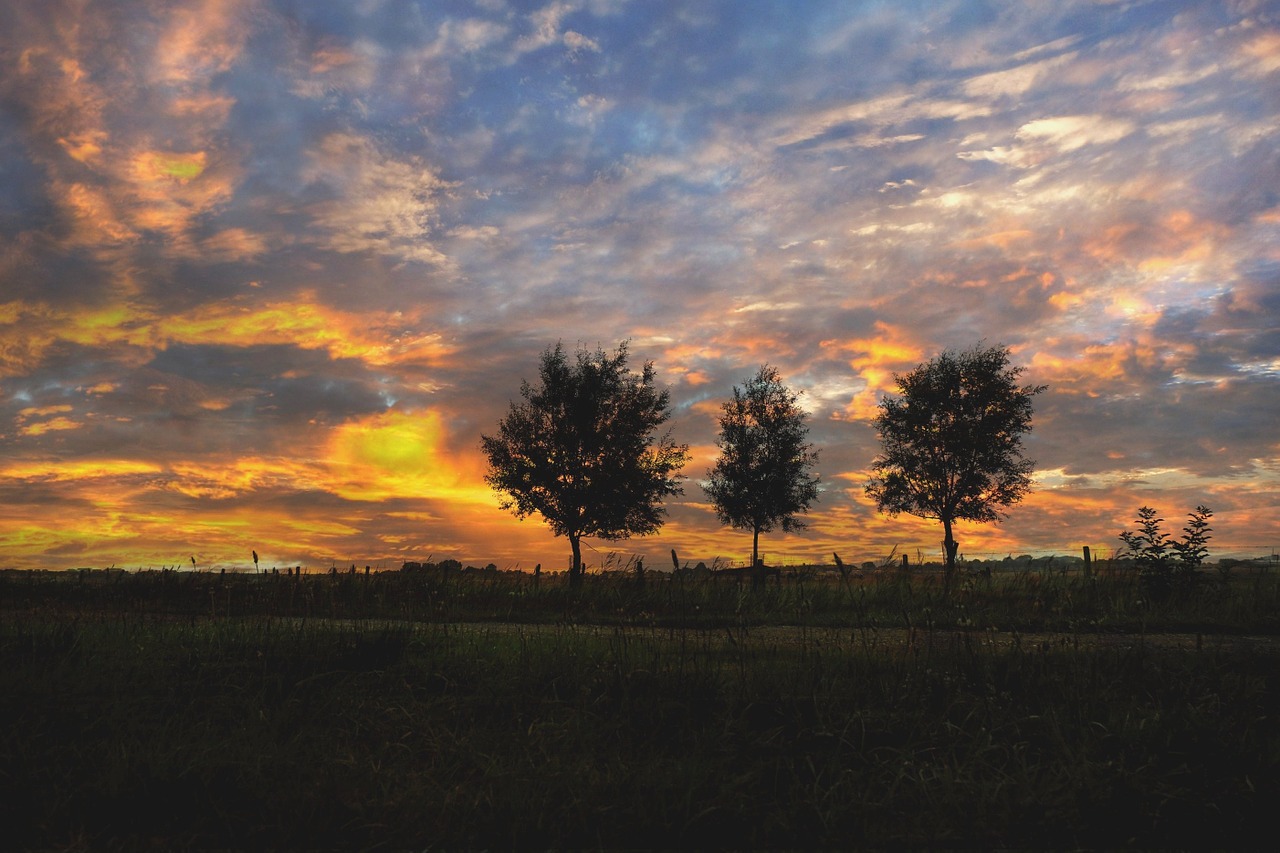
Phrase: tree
(952, 442)
(582, 450)
(761, 479)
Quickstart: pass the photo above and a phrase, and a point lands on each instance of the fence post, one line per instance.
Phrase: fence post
(1088, 563)
(905, 562)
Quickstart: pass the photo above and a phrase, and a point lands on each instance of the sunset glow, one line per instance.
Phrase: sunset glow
(269, 270)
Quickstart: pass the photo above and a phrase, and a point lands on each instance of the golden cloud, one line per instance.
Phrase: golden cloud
(77, 469)
(379, 339)
(875, 360)
(52, 425)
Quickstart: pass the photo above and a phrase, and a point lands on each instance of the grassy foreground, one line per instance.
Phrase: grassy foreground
(128, 726)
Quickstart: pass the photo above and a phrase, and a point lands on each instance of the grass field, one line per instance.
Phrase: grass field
(388, 711)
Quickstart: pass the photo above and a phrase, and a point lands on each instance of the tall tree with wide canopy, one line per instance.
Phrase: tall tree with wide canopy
(583, 449)
(952, 441)
(762, 479)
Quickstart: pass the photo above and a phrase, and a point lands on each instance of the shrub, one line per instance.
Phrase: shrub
(1166, 564)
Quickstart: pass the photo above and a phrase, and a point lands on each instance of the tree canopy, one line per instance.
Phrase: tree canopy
(761, 479)
(951, 443)
(583, 449)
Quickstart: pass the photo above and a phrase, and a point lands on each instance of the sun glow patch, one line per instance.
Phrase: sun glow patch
(181, 167)
(397, 444)
(400, 454)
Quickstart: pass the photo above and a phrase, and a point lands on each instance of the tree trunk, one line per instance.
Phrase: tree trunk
(950, 546)
(575, 570)
(757, 570)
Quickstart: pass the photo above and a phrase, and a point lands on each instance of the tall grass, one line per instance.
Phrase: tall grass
(127, 729)
(1022, 601)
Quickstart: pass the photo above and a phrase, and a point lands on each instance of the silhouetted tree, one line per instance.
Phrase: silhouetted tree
(582, 449)
(951, 444)
(761, 479)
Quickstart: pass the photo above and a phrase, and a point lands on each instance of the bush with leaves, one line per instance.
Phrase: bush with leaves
(1165, 563)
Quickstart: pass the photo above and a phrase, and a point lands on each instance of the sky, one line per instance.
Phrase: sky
(270, 268)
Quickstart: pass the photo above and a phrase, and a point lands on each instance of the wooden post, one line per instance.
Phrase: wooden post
(905, 562)
(1088, 563)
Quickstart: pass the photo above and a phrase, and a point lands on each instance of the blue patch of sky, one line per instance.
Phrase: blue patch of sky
(24, 202)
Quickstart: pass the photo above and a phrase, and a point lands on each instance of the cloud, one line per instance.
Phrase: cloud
(874, 360)
(1260, 56)
(546, 30)
(372, 201)
(894, 110)
(1016, 81)
(384, 339)
(199, 40)
(1039, 140)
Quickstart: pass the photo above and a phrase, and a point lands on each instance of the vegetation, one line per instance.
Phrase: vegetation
(582, 449)
(761, 479)
(1165, 562)
(952, 441)
(1049, 598)
(196, 710)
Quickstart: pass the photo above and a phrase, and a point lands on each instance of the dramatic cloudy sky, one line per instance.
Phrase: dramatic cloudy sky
(269, 268)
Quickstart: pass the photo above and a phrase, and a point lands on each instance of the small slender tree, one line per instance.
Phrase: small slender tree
(762, 479)
(952, 441)
(583, 450)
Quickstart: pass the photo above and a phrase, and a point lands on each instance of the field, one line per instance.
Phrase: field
(477, 709)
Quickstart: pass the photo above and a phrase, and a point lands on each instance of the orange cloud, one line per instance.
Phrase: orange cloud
(167, 191)
(200, 40)
(380, 338)
(1001, 240)
(1092, 367)
(230, 244)
(96, 215)
(710, 408)
(1179, 239)
(875, 360)
(51, 425)
(85, 146)
(377, 338)
(1065, 301)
